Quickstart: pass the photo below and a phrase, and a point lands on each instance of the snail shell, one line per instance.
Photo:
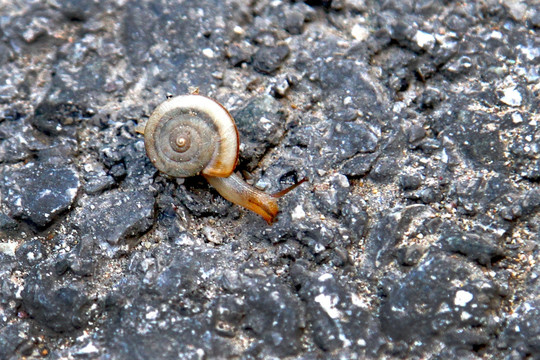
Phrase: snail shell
(188, 135)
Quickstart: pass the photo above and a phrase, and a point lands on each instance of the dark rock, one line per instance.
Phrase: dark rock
(7, 223)
(385, 169)
(355, 218)
(477, 144)
(11, 339)
(477, 195)
(139, 170)
(334, 316)
(30, 253)
(410, 182)
(482, 249)
(201, 201)
(228, 313)
(59, 308)
(317, 239)
(61, 266)
(429, 146)
(346, 114)
(116, 216)
(53, 119)
(415, 133)
(118, 171)
(269, 58)
(359, 165)
(441, 299)
(532, 173)
(96, 179)
(294, 22)
(348, 139)
(97, 183)
(522, 331)
(239, 54)
(389, 231)
(80, 261)
(430, 195)
(531, 202)
(79, 10)
(331, 195)
(343, 79)
(410, 255)
(39, 192)
(511, 212)
(260, 125)
(15, 141)
(274, 315)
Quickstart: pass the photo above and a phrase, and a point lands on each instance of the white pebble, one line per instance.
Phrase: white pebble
(511, 97)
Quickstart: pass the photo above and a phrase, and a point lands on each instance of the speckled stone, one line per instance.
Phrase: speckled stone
(39, 192)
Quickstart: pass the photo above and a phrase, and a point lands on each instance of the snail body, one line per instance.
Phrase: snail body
(191, 135)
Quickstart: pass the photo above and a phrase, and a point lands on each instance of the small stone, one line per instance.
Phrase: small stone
(209, 53)
(359, 32)
(424, 40)
(61, 309)
(298, 213)
(511, 96)
(410, 182)
(116, 216)
(359, 165)
(8, 248)
(7, 223)
(239, 54)
(260, 122)
(12, 337)
(273, 314)
(30, 253)
(484, 250)
(438, 292)
(97, 179)
(416, 133)
(118, 171)
(410, 255)
(517, 118)
(384, 169)
(99, 183)
(213, 235)
(350, 138)
(269, 58)
(39, 192)
(294, 22)
(462, 298)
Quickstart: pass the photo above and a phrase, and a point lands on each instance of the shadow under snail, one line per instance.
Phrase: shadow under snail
(191, 135)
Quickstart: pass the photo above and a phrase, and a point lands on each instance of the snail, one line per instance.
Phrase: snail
(191, 135)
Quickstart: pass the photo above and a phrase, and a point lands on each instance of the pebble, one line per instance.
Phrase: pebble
(39, 192)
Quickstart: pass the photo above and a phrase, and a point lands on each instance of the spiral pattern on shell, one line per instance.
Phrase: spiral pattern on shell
(191, 134)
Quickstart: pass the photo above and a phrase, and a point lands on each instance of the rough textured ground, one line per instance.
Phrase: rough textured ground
(417, 236)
